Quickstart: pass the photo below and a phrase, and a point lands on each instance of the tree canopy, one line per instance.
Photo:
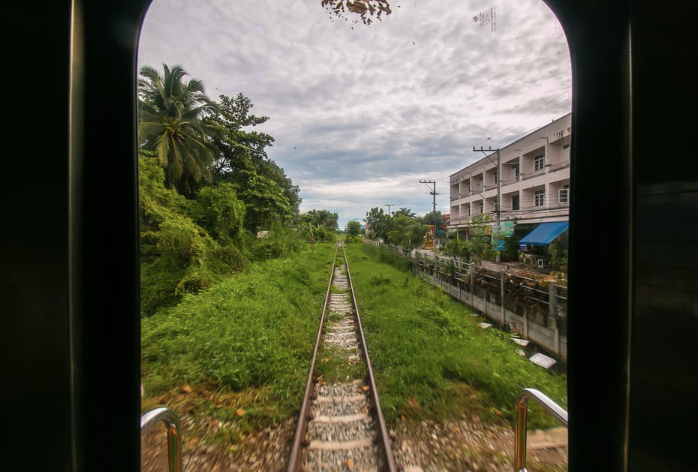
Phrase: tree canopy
(243, 162)
(206, 187)
(321, 224)
(170, 112)
(353, 228)
(199, 143)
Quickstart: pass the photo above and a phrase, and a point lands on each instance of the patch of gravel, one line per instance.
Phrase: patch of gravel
(427, 446)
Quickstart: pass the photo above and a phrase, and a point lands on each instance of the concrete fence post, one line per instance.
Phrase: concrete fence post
(552, 295)
(525, 325)
(472, 282)
(502, 281)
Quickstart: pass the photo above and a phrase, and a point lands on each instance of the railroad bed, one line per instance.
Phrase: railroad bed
(341, 426)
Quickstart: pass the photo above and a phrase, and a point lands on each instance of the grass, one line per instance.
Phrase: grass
(237, 354)
(431, 358)
(240, 351)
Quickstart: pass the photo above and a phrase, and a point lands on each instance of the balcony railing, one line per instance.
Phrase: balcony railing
(558, 166)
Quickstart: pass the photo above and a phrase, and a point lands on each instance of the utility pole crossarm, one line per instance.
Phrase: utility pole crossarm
(433, 192)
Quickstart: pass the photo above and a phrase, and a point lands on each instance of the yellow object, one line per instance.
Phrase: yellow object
(429, 238)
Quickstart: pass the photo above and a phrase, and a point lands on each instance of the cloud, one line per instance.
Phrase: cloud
(361, 113)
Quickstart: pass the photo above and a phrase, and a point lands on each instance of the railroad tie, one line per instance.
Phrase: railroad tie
(341, 432)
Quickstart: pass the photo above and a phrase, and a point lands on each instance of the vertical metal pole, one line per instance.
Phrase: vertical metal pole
(174, 448)
(499, 190)
(520, 436)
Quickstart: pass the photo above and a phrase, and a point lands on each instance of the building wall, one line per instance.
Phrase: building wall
(476, 185)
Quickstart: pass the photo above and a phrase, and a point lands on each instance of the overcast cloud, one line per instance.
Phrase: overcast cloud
(360, 114)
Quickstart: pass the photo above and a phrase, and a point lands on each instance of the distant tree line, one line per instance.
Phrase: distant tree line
(402, 227)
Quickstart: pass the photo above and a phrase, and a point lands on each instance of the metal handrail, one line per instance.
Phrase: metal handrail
(174, 434)
(520, 428)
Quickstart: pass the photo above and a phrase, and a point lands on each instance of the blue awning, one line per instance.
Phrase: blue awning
(545, 233)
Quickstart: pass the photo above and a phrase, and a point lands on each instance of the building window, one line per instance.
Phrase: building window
(515, 204)
(539, 162)
(564, 194)
(567, 146)
(496, 177)
(539, 198)
(482, 207)
(515, 168)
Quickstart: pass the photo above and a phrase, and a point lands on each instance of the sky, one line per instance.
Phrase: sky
(360, 114)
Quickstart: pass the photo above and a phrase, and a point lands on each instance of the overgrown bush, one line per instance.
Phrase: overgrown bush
(177, 255)
(279, 242)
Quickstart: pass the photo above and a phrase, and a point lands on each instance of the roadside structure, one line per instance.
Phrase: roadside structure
(531, 180)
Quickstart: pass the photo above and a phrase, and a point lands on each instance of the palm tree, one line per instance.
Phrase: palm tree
(171, 124)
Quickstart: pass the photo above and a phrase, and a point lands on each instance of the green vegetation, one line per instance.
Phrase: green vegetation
(244, 344)
(403, 227)
(332, 366)
(320, 224)
(170, 124)
(179, 256)
(211, 200)
(477, 247)
(431, 357)
(232, 291)
(353, 228)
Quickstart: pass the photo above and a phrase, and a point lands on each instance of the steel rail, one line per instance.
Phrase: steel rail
(295, 459)
(387, 451)
(294, 463)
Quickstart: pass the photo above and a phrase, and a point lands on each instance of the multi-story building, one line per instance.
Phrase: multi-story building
(532, 184)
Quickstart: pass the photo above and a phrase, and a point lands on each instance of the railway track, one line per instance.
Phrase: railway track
(340, 425)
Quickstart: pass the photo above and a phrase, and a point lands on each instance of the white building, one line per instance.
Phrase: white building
(533, 187)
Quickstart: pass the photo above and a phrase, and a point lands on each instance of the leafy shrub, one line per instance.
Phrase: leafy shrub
(219, 211)
(177, 255)
(279, 242)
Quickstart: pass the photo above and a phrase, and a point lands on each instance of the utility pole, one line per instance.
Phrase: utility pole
(433, 192)
(389, 205)
(498, 205)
